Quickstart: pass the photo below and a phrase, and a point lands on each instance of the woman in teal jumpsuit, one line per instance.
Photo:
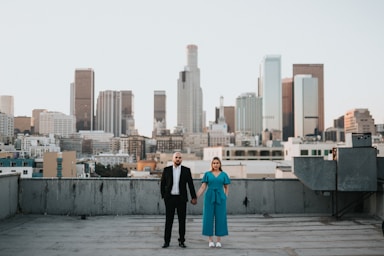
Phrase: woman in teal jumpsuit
(215, 182)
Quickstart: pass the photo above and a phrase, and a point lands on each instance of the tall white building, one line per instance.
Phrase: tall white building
(7, 105)
(57, 123)
(7, 127)
(270, 89)
(248, 114)
(306, 117)
(189, 95)
(72, 90)
(108, 112)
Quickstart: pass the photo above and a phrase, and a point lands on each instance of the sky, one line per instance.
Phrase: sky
(141, 46)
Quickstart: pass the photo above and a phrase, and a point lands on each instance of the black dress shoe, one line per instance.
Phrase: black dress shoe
(182, 245)
(165, 245)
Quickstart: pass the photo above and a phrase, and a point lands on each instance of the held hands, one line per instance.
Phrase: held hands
(194, 201)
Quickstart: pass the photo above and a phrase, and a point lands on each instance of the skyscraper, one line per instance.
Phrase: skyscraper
(189, 95)
(127, 113)
(288, 116)
(84, 94)
(159, 113)
(305, 105)
(108, 112)
(270, 90)
(7, 105)
(317, 71)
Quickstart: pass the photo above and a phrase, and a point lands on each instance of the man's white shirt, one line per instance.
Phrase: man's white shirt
(176, 179)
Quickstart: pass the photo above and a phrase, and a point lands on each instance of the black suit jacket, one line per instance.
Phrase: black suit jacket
(185, 179)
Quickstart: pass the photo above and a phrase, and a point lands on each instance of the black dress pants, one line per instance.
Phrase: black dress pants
(172, 204)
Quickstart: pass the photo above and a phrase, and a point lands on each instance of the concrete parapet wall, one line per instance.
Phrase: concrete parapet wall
(377, 202)
(109, 196)
(8, 195)
(142, 196)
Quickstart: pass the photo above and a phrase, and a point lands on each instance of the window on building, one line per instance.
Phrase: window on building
(276, 153)
(13, 164)
(25, 172)
(304, 152)
(239, 153)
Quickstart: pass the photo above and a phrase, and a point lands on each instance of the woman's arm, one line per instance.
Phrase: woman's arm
(226, 189)
(201, 189)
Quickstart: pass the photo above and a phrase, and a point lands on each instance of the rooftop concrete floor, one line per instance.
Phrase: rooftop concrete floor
(44, 235)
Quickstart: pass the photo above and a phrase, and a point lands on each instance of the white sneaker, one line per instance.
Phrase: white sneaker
(218, 245)
(211, 244)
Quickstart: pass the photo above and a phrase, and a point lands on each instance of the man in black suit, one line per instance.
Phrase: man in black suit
(173, 187)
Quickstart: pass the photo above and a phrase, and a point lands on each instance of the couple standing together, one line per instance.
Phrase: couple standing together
(173, 186)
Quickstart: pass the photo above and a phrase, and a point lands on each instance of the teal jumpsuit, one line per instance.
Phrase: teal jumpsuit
(215, 205)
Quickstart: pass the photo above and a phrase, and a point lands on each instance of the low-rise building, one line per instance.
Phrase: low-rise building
(59, 164)
(112, 159)
(299, 147)
(17, 165)
(244, 153)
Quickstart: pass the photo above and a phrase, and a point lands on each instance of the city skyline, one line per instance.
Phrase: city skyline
(132, 47)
